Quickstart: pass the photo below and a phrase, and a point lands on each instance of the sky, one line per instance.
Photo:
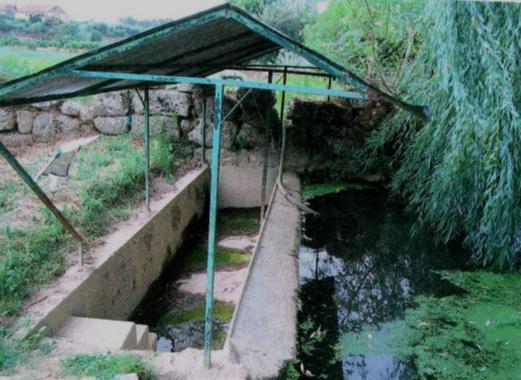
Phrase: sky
(112, 10)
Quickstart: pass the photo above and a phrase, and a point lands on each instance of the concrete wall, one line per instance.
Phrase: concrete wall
(128, 263)
(240, 178)
(240, 186)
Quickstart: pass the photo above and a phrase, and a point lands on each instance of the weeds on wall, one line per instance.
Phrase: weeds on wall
(108, 183)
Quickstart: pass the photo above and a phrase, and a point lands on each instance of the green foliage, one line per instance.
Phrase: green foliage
(107, 366)
(16, 62)
(29, 259)
(111, 180)
(461, 170)
(375, 38)
(13, 351)
(290, 17)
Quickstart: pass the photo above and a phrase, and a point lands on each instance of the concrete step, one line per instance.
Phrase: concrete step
(142, 336)
(100, 333)
(152, 341)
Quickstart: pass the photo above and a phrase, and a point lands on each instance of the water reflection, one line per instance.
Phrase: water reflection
(366, 246)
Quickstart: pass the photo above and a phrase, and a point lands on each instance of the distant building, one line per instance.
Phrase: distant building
(28, 12)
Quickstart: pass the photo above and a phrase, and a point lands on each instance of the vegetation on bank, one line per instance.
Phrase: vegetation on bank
(16, 62)
(460, 171)
(106, 183)
(107, 366)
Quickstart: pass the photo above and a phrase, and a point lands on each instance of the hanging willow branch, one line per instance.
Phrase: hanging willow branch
(461, 171)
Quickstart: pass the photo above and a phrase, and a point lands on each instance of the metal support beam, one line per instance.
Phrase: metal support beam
(11, 160)
(214, 81)
(146, 138)
(329, 87)
(267, 127)
(283, 98)
(203, 132)
(214, 186)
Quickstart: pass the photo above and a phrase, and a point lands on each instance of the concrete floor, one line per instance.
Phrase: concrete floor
(263, 333)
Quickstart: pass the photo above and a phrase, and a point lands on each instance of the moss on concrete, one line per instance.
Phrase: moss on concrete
(221, 311)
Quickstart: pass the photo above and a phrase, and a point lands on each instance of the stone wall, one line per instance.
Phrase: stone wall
(176, 112)
(324, 139)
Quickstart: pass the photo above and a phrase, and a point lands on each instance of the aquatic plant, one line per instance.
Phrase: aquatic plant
(460, 170)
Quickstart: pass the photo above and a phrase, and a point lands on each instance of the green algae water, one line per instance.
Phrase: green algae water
(177, 317)
(381, 300)
(361, 270)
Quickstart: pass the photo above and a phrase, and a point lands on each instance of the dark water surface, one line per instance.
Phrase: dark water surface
(360, 267)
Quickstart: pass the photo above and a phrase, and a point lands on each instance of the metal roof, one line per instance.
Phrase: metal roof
(196, 46)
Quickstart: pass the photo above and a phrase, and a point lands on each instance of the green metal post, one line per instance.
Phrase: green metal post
(283, 100)
(266, 155)
(329, 88)
(146, 106)
(43, 197)
(203, 132)
(214, 186)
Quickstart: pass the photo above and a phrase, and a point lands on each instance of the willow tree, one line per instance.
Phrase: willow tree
(462, 170)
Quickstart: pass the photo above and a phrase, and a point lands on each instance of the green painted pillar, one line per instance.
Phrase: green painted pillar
(203, 131)
(146, 138)
(267, 127)
(214, 186)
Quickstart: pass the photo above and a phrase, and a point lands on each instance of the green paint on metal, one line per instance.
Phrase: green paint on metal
(203, 132)
(146, 105)
(214, 185)
(41, 194)
(321, 61)
(215, 81)
(114, 49)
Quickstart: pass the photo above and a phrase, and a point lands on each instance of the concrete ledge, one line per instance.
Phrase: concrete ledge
(127, 263)
(264, 327)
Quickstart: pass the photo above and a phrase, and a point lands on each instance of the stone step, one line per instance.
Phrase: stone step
(100, 333)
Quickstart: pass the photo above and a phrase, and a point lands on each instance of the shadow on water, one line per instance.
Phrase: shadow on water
(360, 267)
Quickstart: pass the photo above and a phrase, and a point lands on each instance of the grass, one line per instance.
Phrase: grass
(107, 366)
(106, 182)
(13, 351)
(221, 311)
(17, 62)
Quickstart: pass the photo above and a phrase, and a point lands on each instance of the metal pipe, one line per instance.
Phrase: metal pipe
(329, 88)
(214, 186)
(11, 160)
(203, 132)
(266, 155)
(146, 106)
(214, 81)
(283, 98)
